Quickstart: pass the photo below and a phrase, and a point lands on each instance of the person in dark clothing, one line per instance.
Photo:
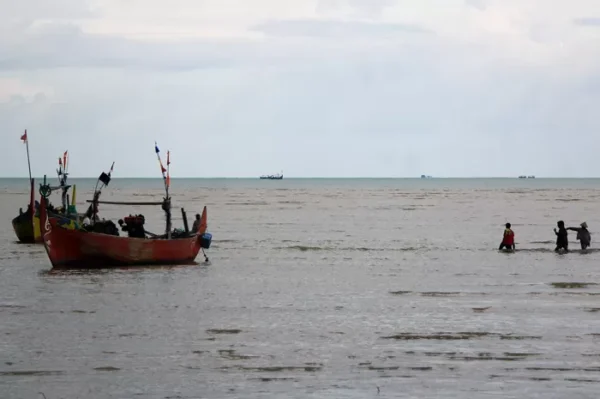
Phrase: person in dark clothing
(196, 224)
(583, 235)
(508, 239)
(562, 239)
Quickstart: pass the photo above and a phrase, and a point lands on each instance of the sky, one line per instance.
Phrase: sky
(313, 88)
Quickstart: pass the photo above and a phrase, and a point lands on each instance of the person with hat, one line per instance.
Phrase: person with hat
(583, 235)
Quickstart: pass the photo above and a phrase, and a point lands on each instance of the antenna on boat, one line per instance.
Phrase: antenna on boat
(167, 181)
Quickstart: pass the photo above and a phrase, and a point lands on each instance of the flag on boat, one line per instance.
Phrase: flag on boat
(24, 136)
(168, 163)
(104, 178)
(162, 168)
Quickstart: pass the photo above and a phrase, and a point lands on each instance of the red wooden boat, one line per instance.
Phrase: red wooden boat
(83, 249)
(92, 247)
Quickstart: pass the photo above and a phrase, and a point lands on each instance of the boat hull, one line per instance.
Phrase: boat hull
(73, 248)
(23, 227)
(29, 231)
(23, 224)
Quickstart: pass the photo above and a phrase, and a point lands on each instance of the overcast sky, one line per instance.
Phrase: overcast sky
(311, 87)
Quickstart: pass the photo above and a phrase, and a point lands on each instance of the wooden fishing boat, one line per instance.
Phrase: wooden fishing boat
(100, 245)
(27, 224)
(23, 223)
(66, 212)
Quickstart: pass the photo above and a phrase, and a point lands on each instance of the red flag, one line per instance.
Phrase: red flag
(24, 136)
(59, 162)
(65, 159)
(162, 168)
(168, 158)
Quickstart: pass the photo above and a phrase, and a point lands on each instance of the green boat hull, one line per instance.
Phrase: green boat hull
(23, 227)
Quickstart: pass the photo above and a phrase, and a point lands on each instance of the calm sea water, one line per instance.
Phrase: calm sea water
(317, 288)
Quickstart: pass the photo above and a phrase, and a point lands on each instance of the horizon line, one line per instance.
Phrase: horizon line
(313, 177)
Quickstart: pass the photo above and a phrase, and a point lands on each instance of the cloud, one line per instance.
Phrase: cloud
(12, 89)
(336, 29)
(587, 21)
(311, 118)
(31, 10)
(364, 8)
(65, 45)
(435, 87)
(478, 4)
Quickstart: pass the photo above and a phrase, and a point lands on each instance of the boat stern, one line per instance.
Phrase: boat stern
(23, 229)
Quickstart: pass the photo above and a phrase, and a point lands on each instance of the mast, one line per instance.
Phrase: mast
(168, 185)
(104, 179)
(62, 180)
(166, 206)
(31, 182)
(72, 208)
(26, 141)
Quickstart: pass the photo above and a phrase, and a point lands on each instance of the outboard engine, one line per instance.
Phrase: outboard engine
(135, 226)
(205, 240)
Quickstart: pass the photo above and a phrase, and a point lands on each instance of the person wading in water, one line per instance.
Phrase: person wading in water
(562, 239)
(583, 235)
(508, 240)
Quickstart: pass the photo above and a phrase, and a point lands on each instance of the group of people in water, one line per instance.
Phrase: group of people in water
(562, 238)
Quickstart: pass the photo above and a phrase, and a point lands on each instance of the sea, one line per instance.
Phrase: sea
(316, 288)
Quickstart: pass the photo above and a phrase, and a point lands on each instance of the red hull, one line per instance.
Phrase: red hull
(81, 249)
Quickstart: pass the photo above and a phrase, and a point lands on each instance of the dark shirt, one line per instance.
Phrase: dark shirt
(195, 226)
(562, 237)
(583, 234)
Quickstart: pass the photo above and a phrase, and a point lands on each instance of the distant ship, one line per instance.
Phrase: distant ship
(425, 177)
(273, 177)
(527, 177)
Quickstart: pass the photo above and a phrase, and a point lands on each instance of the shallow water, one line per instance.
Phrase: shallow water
(318, 289)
